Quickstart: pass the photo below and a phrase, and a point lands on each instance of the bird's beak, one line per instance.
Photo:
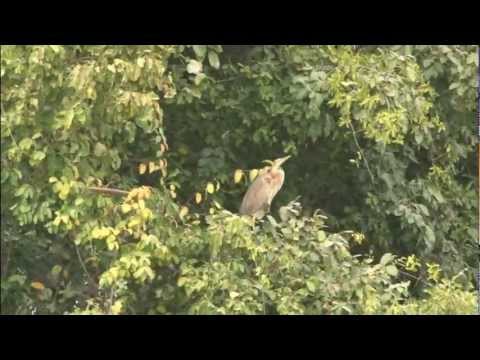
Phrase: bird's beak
(280, 161)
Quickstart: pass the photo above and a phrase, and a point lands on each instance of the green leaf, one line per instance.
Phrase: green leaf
(217, 48)
(194, 67)
(100, 149)
(181, 281)
(386, 258)
(38, 156)
(310, 286)
(25, 144)
(321, 236)
(56, 270)
(391, 270)
(56, 48)
(453, 86)
(213, 59)
(198, 79)
(411, 74)
(437, 195)
(200, 51)
(429, 238)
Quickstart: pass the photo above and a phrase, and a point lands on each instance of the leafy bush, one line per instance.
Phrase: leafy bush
(125, 165)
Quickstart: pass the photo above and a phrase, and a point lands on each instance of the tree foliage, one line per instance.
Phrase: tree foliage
(123, 168)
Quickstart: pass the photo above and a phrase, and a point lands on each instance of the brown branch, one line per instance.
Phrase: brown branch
(108, 191)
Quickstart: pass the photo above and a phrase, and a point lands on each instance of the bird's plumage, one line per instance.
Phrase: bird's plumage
(260, 194)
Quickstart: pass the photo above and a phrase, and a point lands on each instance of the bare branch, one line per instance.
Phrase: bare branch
(108, 191)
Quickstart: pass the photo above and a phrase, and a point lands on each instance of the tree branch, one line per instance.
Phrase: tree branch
(108, 191)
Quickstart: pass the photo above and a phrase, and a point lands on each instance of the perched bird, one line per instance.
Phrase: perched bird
(260, 194)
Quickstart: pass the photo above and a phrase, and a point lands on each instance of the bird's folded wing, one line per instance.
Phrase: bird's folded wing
(256, 198)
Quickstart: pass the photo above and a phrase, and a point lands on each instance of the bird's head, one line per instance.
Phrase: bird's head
(278, 162)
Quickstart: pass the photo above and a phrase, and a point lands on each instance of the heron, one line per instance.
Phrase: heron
(259, 196)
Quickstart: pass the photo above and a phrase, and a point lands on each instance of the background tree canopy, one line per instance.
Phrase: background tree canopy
(123, 168)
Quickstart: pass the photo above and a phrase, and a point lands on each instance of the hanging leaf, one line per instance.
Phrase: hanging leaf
(126, 208)
(253, 174)
(183, 212)
(117, 307)
(142, 168)
(237, 177)
(198, 198)
(210, 188)
(194, 67)
(200, 51)
(213, 59)
(152, 167)
(37, 285)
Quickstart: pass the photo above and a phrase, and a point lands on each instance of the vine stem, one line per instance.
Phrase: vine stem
(83, 264)
(361, 152)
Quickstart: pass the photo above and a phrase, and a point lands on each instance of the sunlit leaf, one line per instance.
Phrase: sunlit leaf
(194, 67)
(213, 59)
(253, 174)
(37, 285)
(210, 188)
(237, 177)
(183, 211)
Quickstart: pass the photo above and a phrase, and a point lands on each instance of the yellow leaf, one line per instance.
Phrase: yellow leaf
(172, 187)
(37, 285)
(126, 208)
(198, 198)
(237, 177)
(142, 168)
(211, 211)
(146, 214)
(56, 222)
(112, 243)
(134, 222)
(151, 167)
(96, 233)
(210, 188)
(253, 174)
(64, 191)
(116, 308)
(183, 212)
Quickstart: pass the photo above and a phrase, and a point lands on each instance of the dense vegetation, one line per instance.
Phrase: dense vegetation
(123, 168)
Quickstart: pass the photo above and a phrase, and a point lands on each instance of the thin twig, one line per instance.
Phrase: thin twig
(361, 152)
(108, 191)
(414, 277)
(111, 300)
